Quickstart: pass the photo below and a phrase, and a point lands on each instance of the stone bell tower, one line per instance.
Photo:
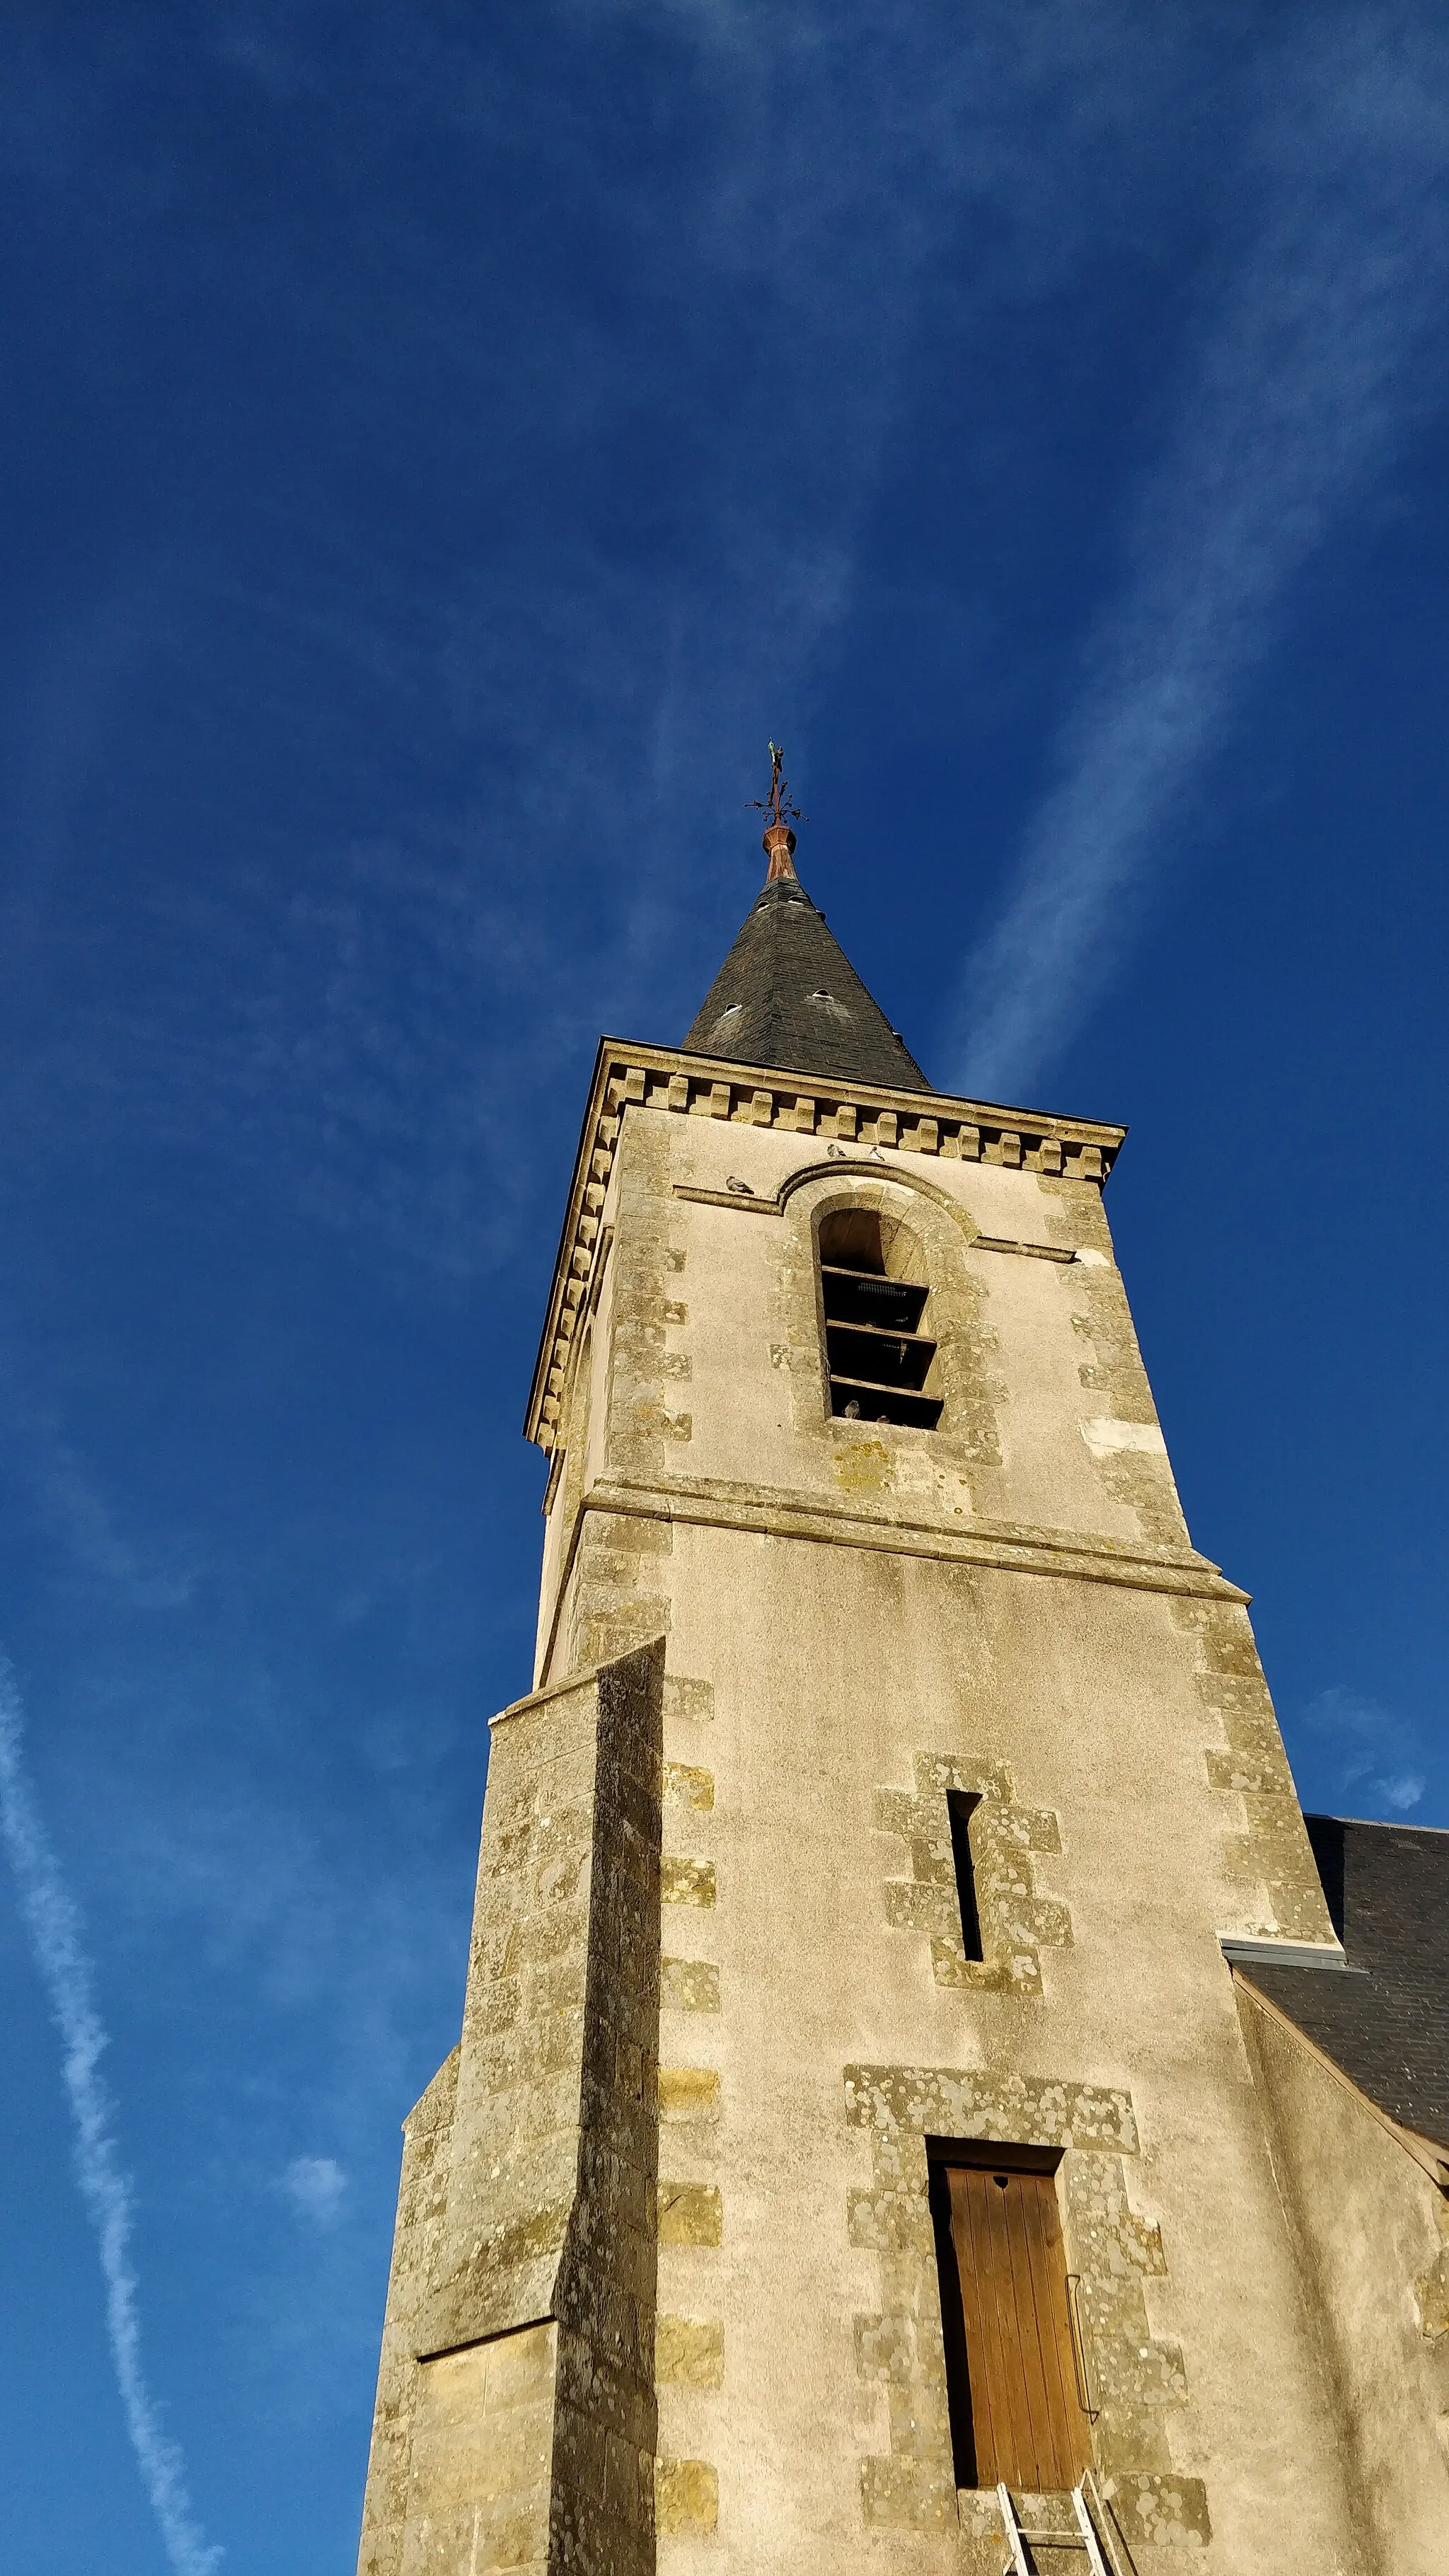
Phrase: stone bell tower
(853, 2153)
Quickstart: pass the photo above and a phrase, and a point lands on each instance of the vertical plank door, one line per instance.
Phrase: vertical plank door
(1027, 2421)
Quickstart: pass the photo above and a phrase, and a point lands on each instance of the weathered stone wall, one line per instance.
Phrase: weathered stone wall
(481, 2458)
(859, 1618)
(1016, 1919)
(1134, 2379)
(1372, 2231)
(605, 2428)
(702, 1374)
(516, 2419)
(1009, 1606)
(421, 2201)
(806, 2376)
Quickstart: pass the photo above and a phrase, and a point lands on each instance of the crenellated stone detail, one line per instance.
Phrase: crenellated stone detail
(1016, 1922)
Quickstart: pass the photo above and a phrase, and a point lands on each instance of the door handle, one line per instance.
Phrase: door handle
(1079, 2348)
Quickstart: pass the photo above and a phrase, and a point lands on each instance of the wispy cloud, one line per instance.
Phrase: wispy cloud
(67, 1498)
(316, 2187)
(505, 787)
(1307, 369)
(57, 1939)
(1372, 1749)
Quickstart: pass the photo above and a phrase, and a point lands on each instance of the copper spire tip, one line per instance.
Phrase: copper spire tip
(777, 840)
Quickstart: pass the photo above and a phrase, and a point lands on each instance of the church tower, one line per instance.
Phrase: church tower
(866, 2149)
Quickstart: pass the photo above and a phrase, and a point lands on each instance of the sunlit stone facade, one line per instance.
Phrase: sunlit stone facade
(667, 2288)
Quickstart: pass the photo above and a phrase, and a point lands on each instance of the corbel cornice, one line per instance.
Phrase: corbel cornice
(629, 1077)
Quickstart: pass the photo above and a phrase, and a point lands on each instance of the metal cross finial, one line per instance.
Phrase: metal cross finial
(778, 805)
(777, 840)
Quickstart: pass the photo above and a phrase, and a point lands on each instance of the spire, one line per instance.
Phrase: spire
(787, 995)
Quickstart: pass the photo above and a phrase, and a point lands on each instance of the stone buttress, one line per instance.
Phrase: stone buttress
(515, 2420)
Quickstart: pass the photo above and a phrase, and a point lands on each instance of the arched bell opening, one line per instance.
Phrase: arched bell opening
(880, 1363)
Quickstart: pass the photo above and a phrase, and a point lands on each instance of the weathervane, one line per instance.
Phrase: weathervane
(777, 839)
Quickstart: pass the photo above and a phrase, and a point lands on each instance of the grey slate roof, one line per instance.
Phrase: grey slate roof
(1388, 1893)
(788, 995)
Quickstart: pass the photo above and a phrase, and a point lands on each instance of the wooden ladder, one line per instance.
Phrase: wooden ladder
(1096, 2533)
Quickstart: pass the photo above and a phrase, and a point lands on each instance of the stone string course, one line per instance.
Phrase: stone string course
(655, 1079)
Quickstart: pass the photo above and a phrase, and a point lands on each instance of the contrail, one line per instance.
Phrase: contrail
(52, 1920)
(1303, 384)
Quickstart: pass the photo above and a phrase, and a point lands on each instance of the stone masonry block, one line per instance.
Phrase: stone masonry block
(933, 1861)
(1160, 2511)
(686, 1698)
(689, 2352)
(686, 2496)
(685, 1785)
(937, 1772)
(890, 2222)
(688, 1985)
(1042, 1831)
(686, 1882)
(913, 1908)
(1014, 1972)
(690, 2213)
(957, 2102)
(898, 1812)
(688, 2093)
(1265, 1774)
(907, 2495)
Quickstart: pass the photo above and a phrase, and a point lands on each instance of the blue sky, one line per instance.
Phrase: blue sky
(439, 447)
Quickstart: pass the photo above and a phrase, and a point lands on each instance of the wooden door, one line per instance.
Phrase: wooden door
(1019, 2417)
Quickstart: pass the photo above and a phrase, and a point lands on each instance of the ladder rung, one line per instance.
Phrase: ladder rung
(1100, 2545)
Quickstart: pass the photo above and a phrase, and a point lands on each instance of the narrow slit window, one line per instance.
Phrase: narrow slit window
(962, 1806)
(881, 1366)
(1014, 2373)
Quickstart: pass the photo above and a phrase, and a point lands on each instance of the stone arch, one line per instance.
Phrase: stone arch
(855, 1171)
(871, 1237)
(966, 1437)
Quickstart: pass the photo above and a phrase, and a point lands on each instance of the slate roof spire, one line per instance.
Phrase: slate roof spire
(787, 995)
